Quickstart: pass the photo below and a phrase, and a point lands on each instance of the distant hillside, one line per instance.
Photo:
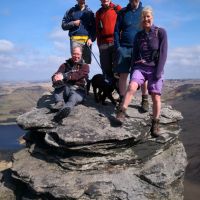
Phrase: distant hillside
(180, 88)
(189, 91)
(186, 100)
(16, 99)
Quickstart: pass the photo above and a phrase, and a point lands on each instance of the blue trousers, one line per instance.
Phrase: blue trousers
(69, 95)
(107, 59)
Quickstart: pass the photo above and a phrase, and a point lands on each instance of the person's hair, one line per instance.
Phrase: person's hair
(77, 46)
(146, 9)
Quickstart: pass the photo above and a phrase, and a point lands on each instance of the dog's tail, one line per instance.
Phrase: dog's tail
(88, 86)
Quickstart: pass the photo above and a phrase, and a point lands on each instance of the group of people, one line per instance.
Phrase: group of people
(129, 44)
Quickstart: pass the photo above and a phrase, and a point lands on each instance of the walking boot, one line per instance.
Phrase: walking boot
(120, 116)
(64, 112)
(155, 131)
(145, 103)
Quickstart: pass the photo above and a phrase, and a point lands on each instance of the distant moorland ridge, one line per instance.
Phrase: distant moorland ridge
(18, 98)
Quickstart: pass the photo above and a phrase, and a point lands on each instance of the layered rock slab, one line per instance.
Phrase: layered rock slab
(89, 157)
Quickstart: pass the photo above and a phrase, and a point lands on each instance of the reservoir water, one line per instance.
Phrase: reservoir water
(9, 135)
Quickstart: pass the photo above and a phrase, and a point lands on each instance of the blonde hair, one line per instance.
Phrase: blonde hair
(146, 9)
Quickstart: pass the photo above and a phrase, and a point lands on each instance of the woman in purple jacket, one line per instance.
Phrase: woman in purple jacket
(149, 57)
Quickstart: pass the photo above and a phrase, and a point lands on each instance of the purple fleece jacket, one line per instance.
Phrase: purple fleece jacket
(146, 45)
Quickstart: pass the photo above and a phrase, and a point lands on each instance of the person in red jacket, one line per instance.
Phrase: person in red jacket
(70, 84)
(106, 18)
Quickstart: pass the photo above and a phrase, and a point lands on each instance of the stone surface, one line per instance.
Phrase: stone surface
(6, 193)
(152, 178)
(91, 123)
(6, 188)
(89, 157)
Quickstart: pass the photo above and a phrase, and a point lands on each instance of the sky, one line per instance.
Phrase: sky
(33, 44)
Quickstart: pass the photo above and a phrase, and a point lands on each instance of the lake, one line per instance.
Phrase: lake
(9, 135)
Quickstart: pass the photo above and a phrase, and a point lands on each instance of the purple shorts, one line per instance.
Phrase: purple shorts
(141, 74)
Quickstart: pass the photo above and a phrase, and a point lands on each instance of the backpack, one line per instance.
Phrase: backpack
(155, 53)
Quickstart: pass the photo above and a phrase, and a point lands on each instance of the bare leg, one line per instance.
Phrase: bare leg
(155, 130)
(132, 88)
(145, 102)
(123, 83)
(120, 117)
(156, 105)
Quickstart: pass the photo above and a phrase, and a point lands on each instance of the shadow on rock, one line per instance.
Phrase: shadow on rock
(137, 107)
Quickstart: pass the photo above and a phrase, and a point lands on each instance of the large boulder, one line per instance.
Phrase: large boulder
(89, 157)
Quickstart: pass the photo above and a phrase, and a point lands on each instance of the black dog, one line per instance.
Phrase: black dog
(103, 88)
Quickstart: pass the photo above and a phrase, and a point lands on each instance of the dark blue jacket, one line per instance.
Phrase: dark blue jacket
(87, 26)
(127, 25)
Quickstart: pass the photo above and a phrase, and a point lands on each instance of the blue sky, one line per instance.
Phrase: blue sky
(33, 45)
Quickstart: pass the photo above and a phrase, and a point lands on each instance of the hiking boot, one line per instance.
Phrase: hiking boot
(57, 106)
(145, 103)
(120, 116)
(155, 131)
(62, 114)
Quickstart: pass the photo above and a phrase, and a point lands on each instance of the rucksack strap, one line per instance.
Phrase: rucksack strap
(115, 8)
(157, 31)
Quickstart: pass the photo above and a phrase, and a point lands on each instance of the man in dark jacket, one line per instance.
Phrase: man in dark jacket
(70, 84)
(80, 22)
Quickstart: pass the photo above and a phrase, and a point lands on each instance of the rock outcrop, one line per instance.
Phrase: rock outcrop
(89, 157)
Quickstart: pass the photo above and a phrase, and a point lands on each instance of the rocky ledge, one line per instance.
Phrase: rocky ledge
(89, 157)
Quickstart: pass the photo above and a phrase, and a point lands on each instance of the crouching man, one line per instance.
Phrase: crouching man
(70, 84)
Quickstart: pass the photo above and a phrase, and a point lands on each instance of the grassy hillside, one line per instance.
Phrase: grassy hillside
(16, 99)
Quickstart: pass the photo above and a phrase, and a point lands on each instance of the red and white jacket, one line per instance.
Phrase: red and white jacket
(105, 23)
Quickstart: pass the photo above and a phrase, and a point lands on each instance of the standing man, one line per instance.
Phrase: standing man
(127, 25)
(106, 18)
(80, 22)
